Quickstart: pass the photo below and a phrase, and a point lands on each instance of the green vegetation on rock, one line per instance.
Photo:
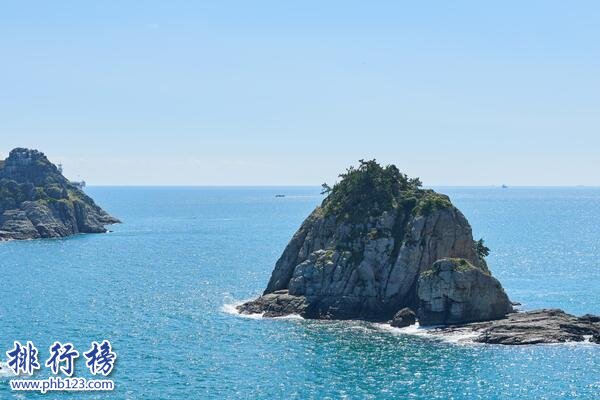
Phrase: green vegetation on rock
(369, 190)
(12, 193)
(481, 249)
(458, 264)
(431, 202)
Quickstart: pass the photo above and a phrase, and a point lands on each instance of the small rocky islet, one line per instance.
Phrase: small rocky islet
(37, 201)
(380, 248)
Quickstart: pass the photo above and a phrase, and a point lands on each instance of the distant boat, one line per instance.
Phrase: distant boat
(504, 186)
(280, 195)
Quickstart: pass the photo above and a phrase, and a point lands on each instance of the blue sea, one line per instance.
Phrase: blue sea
(161, 285)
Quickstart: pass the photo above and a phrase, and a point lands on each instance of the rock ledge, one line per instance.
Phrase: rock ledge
(532, 327)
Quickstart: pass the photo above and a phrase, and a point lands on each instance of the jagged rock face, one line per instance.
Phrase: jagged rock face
(454, 291)
(369, 269)
(36, 201)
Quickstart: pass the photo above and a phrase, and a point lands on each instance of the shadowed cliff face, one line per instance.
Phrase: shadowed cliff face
(362, 256)
(36, 201)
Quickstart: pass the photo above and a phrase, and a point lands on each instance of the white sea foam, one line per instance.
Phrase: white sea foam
(587, 341)
(231, 308)
(414, 330)
(5, 371)
(457, 337)
(290, 316)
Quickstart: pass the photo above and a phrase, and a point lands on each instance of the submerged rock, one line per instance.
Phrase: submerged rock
(454, 291)
(361, 252)
(534, 327)
(403, 318)
(36, 201)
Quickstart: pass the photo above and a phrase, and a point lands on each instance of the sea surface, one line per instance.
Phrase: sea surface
(162, 284)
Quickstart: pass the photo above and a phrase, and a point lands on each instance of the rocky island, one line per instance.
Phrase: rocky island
(382, 248)
(37, 201)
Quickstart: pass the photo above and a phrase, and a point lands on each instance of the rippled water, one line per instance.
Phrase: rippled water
(158, 287)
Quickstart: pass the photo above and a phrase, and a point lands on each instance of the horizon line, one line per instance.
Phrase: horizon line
(318, 186)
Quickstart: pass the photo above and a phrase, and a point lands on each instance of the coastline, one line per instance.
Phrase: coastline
(462, 334)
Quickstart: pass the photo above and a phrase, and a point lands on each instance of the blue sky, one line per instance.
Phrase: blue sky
(275, 92)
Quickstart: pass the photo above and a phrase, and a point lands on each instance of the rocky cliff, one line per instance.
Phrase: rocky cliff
(361, 253)
(36, 201)
(454, 291)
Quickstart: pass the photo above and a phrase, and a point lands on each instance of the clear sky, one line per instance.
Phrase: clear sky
(292, 92)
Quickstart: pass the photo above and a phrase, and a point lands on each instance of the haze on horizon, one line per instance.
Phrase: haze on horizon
(273, 93)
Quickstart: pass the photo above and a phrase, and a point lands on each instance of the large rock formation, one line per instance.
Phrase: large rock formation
(454, 291)
(380, 245)
(36, 201)
(360, 254)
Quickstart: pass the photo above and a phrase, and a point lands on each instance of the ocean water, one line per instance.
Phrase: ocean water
(161, 286)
